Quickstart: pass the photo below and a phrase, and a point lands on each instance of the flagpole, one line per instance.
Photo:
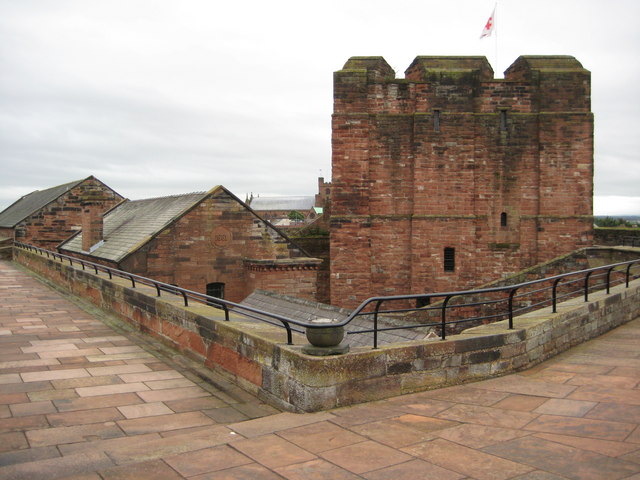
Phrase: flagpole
(495, 17)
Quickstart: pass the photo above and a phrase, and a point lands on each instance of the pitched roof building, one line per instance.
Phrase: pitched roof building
(209, 242)
(47, 217)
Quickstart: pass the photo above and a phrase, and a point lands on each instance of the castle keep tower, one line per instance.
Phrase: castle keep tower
(449, 178)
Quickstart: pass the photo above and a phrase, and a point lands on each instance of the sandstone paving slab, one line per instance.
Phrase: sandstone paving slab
(563, 460)
(71, 434)
(199, 403)
(32, 408)
(169, 394)
(111, 444)
(321, 436)
(467, 461)
(253, 471)
(275, 423)
(581, 427)
(493, 417)
(25, 455)
(162, 423)
(315, 469)
(528, 386)
(12, 441)
(150, 470)
(413, 470)
(616, 412)
(47, 375)
(54, 468)
(521, 403)
(604, 447)
(272, 451)
(364, 457)
(392, 434)
(88, 403)
(207, 460)
(469, 394)
(81, 417)
(144, 410)
(479, 436)
(565, 407)
(167, 446)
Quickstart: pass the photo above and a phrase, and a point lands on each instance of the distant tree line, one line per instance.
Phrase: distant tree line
(612, 222)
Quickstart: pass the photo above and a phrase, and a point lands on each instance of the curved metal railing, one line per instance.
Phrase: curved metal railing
(495, 304)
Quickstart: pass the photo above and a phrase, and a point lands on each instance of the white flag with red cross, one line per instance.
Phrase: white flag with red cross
(488, 28)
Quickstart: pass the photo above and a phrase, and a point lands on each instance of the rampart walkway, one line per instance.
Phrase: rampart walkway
(82, 400)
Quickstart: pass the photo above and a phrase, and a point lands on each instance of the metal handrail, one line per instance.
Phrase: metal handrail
(373, 306)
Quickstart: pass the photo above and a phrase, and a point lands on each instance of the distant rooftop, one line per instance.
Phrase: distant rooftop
(282, 203)
(300, 309)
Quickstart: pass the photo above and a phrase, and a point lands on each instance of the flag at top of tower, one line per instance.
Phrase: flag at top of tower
(488, 28)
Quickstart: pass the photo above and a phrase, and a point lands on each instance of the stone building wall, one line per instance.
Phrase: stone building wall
(212, 242)
(495, 174)
(60, 219)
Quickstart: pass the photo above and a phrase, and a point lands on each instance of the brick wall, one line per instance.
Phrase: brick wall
(501, 171)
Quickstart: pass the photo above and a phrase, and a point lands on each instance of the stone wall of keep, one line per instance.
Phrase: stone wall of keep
(435, 160)
(257, 357)
(60, 219)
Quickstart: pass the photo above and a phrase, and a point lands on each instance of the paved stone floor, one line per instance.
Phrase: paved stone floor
(80, 399)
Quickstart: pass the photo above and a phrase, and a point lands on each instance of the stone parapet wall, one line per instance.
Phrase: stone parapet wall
(257, 357)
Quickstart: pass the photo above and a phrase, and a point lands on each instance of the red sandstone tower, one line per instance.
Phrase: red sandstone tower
(449, 178)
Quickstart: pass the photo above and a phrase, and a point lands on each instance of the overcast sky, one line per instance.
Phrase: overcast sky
(174, 96)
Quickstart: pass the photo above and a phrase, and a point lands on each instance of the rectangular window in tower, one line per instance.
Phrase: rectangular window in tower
(449, 259)
(436, 120)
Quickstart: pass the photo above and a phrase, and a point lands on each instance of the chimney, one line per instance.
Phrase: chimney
(92, 206)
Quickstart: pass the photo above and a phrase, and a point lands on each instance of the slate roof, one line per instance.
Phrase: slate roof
(282, 203)
(131, 224)
(32, 202)
(299, 309)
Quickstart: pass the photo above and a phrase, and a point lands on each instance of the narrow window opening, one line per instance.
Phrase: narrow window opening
(503, 120)
(449, 259)
(215, 289)
(436, 120)
(503, 219)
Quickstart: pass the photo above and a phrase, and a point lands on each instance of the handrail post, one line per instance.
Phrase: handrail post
(628, 275)
(609, 280)
(289, 334)
(375, 324)
(554, 296)
(155, 284)
(511, 295)
(184, 295)
(443, 335)
(133, 281)
(586, 286)
(225, 307)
